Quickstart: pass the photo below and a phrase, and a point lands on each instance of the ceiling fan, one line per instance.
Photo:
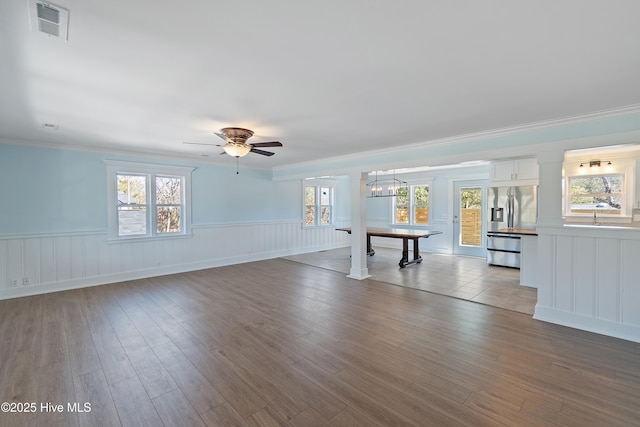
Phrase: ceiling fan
(236, 143)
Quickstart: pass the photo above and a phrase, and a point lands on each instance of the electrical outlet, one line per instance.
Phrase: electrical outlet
(13, 283)
(25, 281)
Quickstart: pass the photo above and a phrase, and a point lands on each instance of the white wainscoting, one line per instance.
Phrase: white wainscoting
(73, 260)
(590, 279)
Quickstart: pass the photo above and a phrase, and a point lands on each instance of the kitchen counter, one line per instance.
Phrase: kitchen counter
(520, 231)
(611, 226)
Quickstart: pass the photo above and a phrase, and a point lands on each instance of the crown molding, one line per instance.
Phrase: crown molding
(499, 132)
(174, 157)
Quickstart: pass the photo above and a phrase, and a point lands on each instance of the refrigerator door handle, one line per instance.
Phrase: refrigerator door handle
(509, 210)
(512, 201)
(512, 210)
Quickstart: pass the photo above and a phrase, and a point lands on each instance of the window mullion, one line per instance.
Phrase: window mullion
(152, 217)
(318, 205)
(412, 206)
(182, 203)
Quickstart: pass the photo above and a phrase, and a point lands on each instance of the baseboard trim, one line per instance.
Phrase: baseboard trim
(590, 324)
(45, 288)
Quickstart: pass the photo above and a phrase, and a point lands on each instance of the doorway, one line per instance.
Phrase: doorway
(469, 218)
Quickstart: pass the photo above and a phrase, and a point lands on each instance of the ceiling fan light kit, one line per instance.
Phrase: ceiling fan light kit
(236, 138)
(236, 150)
(236, 143)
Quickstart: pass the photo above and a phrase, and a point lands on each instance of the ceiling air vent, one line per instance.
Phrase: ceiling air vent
(49, 19)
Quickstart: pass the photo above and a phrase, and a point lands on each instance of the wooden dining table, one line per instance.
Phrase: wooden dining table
(405, 234)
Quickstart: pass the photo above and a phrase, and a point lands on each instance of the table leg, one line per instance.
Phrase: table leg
(416, 251)
(405, 253)
(370, 250)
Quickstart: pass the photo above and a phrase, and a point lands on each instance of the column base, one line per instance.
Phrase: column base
(359, 275)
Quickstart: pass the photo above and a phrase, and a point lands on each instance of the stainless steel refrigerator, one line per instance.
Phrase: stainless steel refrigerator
(510, 209)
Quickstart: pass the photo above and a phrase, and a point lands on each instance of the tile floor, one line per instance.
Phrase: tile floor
(468, 278)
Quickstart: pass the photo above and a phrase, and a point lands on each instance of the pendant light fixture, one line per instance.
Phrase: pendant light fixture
(390, 187)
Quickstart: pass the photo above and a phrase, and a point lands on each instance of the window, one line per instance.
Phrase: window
(148, 200)
(402, 206)
(318, 202)
(601, 193)
(411, 207)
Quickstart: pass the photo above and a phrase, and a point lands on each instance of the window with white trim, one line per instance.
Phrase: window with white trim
(148, 201)
(411, 206)
(603, 194)
(318, 198)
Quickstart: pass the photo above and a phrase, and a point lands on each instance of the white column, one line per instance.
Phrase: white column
(357, 183)
(549, 215)
(550, 188)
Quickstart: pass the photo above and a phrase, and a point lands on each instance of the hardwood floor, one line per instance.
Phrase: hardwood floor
(282, 343)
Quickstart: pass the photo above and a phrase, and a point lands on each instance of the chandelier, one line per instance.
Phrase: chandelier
(387, 187)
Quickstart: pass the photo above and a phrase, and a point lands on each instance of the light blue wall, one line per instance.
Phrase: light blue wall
(46, 191)
(343, 200)
(379, 209)
(221, 196)
(58, 191)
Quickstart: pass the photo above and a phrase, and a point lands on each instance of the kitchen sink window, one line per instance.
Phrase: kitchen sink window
(603, 194)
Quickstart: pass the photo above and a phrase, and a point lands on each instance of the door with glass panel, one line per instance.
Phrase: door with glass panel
(469, 218)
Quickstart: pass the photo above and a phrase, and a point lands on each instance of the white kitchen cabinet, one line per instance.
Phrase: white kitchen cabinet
(515, 172)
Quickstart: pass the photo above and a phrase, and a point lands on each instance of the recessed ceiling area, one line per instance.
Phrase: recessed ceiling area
(326, 79)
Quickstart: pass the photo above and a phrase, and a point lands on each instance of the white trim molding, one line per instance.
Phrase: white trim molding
(35, 264)
(492, 133)
(588, 279)
(149, 170)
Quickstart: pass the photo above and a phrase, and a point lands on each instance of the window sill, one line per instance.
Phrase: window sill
(116, 240)
(603, 225)
(588, 218)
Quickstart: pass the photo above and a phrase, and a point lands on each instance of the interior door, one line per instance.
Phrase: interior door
(469, 219)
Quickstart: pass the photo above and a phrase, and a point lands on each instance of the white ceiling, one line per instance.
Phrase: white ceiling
(326, 78)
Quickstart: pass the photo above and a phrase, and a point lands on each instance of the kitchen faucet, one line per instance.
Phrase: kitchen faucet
(595, 218)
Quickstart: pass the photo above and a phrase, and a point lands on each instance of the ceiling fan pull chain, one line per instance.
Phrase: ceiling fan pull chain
(237, 165)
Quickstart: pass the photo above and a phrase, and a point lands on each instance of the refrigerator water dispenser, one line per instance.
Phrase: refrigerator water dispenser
(497, 214)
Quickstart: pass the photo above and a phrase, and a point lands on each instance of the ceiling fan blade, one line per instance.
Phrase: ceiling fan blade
(201, 143)
(223, 137)
(264, 153)
(267, 144)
